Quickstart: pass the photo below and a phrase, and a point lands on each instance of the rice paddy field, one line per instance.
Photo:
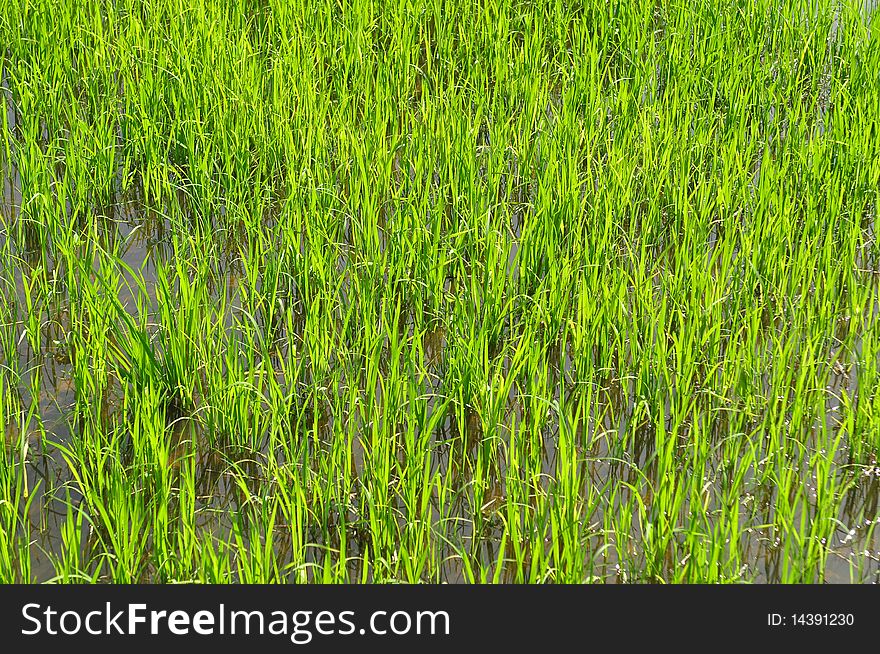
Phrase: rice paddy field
(397, 292)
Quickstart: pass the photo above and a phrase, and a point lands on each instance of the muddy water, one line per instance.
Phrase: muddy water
(50, 479)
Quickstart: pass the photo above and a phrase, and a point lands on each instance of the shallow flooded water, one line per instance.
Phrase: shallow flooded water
(218, 476)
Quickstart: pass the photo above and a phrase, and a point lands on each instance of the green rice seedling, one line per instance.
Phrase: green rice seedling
(524, 292)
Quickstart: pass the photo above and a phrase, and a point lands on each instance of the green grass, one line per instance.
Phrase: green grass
(378, 291)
